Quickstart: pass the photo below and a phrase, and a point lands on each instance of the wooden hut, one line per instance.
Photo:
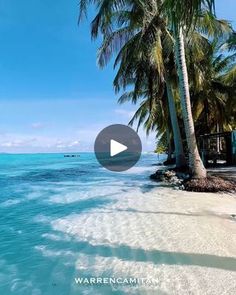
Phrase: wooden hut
(218, 148)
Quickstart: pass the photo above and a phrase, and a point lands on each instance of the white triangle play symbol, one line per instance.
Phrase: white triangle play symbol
(116, 148)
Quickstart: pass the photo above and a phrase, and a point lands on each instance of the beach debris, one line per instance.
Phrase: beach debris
(183, 181)
(210, 184)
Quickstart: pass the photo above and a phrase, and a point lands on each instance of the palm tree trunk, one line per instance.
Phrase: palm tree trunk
(179, 151)
(196, 165)
(169, 157)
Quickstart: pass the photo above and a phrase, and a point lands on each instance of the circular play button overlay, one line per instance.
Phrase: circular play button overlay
(118, 148)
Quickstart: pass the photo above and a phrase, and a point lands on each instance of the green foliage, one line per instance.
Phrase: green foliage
(186, 13)
(162, 145)
(139, 34)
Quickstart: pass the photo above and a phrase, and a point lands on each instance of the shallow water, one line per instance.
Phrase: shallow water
(37, 191)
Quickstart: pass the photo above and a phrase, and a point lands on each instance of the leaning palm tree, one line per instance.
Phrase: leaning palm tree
(145, 45)
(182, 17)
(158, 90)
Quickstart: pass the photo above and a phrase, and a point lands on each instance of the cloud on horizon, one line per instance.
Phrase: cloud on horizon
(79, 140)
(25, 143)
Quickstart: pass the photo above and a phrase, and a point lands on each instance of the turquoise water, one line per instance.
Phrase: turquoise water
(37, 189)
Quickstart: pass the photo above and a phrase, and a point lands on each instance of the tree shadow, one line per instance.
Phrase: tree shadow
(156, 257)
(192, 214)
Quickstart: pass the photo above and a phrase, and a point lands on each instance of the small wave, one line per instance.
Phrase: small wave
(10, 202)
(53, 253)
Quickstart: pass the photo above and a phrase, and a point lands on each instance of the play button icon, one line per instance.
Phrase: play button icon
(118, 148)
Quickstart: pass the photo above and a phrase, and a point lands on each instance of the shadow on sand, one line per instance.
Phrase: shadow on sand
(157, 257)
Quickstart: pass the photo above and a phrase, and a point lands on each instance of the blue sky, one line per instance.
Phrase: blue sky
(53, 97)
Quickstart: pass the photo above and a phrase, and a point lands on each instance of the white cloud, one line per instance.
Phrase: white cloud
(70, 140)
(74, 143)
(17, 142)
(67, 144)
(27, 143)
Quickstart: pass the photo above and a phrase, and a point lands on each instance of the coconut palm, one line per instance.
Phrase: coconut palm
(213, 90)
(161, 107)
(182, 17)
(138, 64)
(137, 23)
(144, 32)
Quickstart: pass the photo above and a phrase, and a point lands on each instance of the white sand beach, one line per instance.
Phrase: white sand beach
(186, 241)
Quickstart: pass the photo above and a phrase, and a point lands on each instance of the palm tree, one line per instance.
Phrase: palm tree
(183, 16)
(137, 24)
(144, 27)
(213, 90)
(134, 40)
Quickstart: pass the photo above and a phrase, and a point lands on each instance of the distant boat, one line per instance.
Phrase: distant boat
(71, 156)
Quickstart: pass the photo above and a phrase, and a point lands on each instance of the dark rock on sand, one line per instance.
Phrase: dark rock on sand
(168, 176)
(169, 162)
(158, 175)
